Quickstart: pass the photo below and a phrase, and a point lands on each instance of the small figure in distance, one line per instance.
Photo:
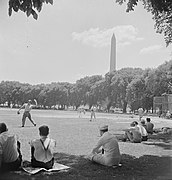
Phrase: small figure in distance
(42, 149)
(140, 112)
(106, 152)
(10, 154)
(93, 114)
(27, 108)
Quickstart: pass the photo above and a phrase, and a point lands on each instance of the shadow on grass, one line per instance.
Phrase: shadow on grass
(146, 167)
(161, 137)
(166, 146)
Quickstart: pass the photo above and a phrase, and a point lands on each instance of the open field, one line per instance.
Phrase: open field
(76, 137)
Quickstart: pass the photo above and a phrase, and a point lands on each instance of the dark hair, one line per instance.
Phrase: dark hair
(106, 130)
(148, 119)
(132, 124)
(3, 127)
(43, 130)
(135, 122)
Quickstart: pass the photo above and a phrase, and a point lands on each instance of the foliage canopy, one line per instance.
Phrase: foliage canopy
(29, 7)
(162, 14)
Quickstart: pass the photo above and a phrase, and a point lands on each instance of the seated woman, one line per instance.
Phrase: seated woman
(42, 149)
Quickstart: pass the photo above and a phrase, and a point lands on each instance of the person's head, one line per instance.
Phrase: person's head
(148, 119)
(29, 101)
(142, 121)
(43, 130)
(132, 124)
(3, 127)
(103, 129)
(135, 122)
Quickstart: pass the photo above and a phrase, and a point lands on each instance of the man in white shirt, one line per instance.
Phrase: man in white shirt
(132, 134)
(142, 131)
(42, 149)
(106, 152)
(10, 155)
(27, 108)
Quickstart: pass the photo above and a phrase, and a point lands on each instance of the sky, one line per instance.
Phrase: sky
(71, 40)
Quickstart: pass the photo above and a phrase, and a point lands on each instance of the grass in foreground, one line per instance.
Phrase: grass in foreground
(146, 167)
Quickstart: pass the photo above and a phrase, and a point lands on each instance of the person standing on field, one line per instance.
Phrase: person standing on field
(93, 114)
(27, 108)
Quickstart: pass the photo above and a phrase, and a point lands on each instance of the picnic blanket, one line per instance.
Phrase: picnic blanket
(56, 167)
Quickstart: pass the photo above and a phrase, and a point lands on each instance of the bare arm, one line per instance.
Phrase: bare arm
(36, 103)
(21, 107)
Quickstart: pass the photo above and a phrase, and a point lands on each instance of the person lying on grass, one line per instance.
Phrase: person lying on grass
(42, 149)
(10, 155)
(106, 152)
(132, 134)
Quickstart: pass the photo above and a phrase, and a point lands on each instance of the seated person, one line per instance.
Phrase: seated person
(142, 131)
(10, 155)
(149, 126)
(42, 149)
(143, 123)
(132, 134)
(106, 151)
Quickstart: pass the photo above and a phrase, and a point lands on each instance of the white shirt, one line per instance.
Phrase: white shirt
(28, 107)
(43, 152)
(110, 145)
(142, 130)
(8, 147)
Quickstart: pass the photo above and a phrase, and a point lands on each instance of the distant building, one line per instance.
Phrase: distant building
(113, 54)
(163, 103)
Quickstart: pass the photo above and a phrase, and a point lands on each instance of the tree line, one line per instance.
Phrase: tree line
(127, 87)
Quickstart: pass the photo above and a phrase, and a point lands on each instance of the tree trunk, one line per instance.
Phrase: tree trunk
(124, 107)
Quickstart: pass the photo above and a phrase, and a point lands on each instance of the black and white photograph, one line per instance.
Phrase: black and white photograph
(85, 89)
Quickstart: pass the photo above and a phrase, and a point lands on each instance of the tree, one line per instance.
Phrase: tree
(29, 7)
(162, 14)
(120, 82)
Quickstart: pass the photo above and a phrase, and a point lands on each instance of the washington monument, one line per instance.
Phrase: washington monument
(113, 54)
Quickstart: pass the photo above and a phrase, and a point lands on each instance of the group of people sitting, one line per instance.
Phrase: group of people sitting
(10, 153)
(138, 132)
(106, 151)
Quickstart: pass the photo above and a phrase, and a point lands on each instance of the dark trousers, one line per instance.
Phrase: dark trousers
(35, 163)
(47, 165)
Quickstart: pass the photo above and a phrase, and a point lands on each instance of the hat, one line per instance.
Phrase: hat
(104, 128)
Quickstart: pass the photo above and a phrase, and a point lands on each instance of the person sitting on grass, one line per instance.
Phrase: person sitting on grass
(106, 151)
(42, 149)
(132, 134)
(149, 126)
(142, 131)
(10, 154)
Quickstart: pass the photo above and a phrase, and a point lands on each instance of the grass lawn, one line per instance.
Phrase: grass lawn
(76, 137)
